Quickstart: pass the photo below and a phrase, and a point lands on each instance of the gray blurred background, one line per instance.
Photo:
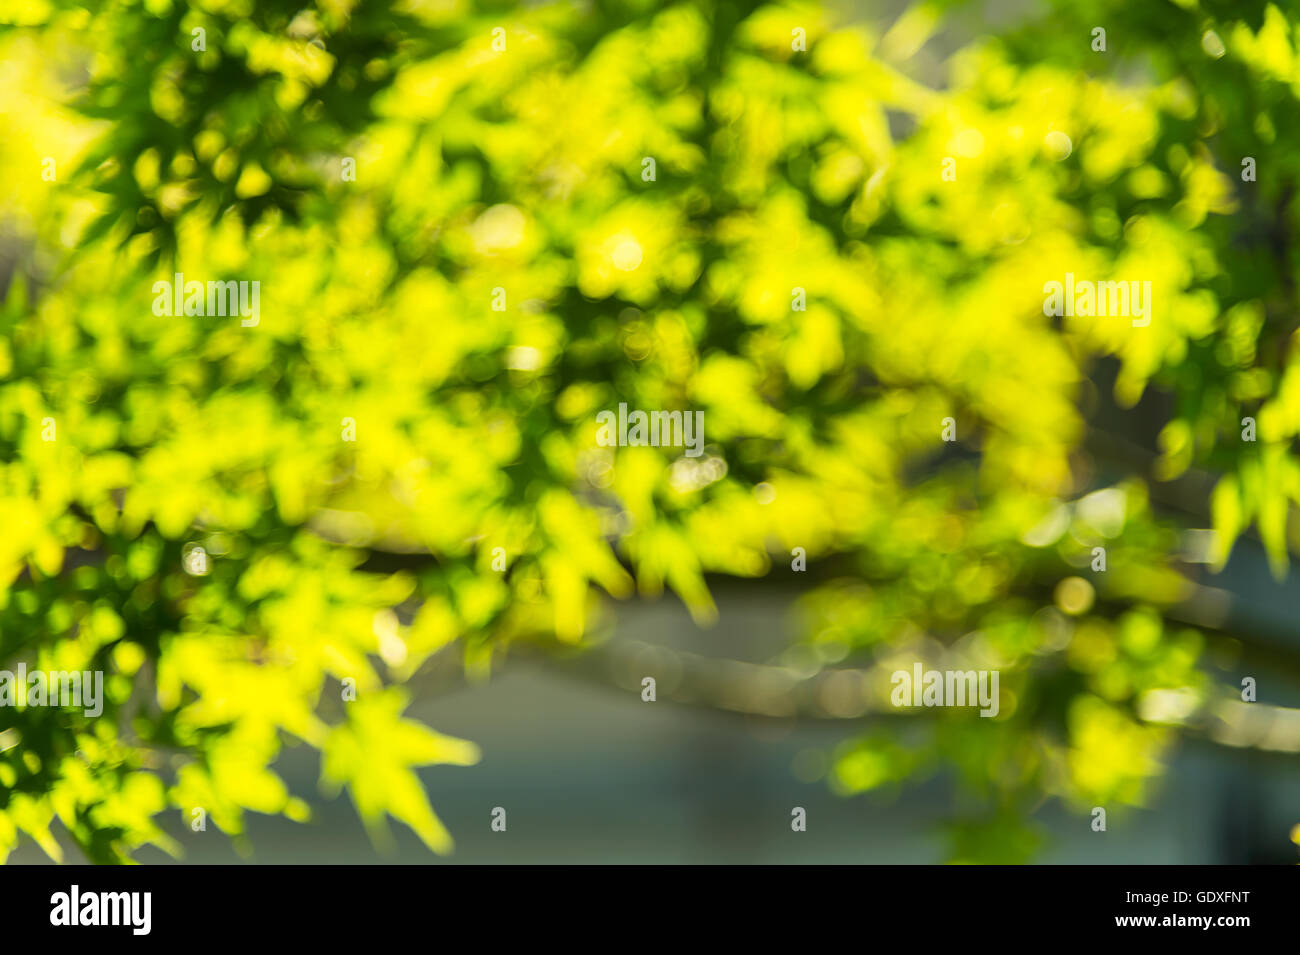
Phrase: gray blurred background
(587, 772)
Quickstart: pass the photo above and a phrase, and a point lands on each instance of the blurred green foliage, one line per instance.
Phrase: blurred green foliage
(518, 166)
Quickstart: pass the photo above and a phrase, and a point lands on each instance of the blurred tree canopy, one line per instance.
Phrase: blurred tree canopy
(502, 266)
